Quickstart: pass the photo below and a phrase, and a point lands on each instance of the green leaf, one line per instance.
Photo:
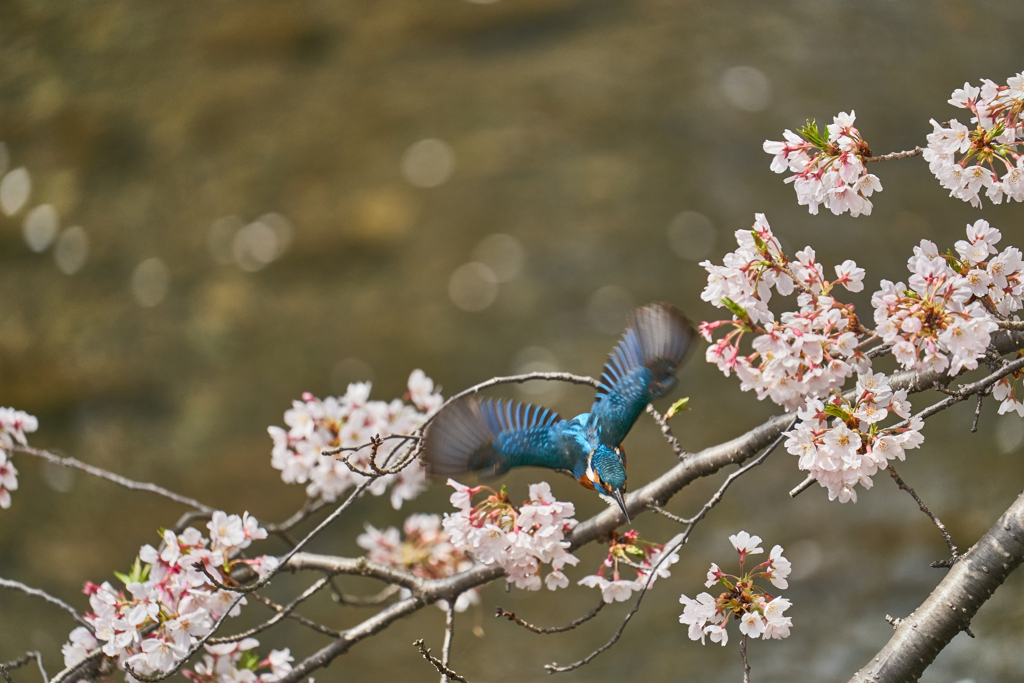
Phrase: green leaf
(249, 660)
(836, 411)
(633, 550)
(677, 407)
(123, 578)
(757, 239)
(811, 133)
(736, 309)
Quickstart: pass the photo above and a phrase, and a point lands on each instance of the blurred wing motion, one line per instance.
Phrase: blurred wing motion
(640, 369)
(490, 437)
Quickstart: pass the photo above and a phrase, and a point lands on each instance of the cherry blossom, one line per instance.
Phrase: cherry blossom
(14, 424)
(967, 161)
(649, 561)
(758, 612)
(238, 663)
(827, 171)
(167, 604)
(426, 551)
(807, 353)
(351, 421)
(519, 539)
(853, 447)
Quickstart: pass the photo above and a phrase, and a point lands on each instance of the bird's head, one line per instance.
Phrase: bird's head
(609, 474)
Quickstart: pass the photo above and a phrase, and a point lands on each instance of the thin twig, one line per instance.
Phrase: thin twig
(110, 476)
(37, 593)
(977, 413)
(282, 612)
(743, 656)
(714, 500)
(449, 633)
(896, 155)
(365, 600)
(666, 431)
(7, 676)
(22, 661)
(310, 507)
(924, 508)
(665, 513)
(308, 623)
(554, 629)
(802, 486)
(441, 667)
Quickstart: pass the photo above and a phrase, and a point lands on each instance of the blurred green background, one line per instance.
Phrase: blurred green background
(256, 199)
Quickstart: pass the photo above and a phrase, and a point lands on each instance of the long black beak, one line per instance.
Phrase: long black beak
(622, 504)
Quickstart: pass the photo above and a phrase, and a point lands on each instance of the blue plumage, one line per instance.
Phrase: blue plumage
(490, 437)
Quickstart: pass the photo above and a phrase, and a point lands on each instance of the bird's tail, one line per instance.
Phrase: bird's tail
(663, 336)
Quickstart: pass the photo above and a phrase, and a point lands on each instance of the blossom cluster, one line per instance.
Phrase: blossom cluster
(238, 663)
(853, 447)
(14, 424)
(827, 171)
(518, 539)
(759, 613)
(968, 161)
(351, 421)
(427, 551)
(806, 353)
(168, 603)
(942, 319)
(648, 560)
(1005, 391)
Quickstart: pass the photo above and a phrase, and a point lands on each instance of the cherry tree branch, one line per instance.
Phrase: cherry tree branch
(110, 476)
(37, 593)
(949, 609)
(441, 667)
(917, 151)
(554, 629)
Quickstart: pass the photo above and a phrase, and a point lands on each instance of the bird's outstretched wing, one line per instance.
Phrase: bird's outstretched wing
(490, 437)
(640, 368)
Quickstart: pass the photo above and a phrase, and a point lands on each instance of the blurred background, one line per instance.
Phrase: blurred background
(221, 205)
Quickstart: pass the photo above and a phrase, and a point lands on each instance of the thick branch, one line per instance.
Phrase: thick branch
(952, 605)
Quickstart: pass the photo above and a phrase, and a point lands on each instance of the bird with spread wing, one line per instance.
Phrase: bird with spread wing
(490, 437)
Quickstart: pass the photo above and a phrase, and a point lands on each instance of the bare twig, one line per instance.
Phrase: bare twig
(802, 486)
(977, 413)
(308, 623)
(282, 612)
(37, 593)
(110, 476)
(441, 667)
(924, 508)
(7, 676)
(668, 515)
(896, 155)
(554, 629)
(310, 507)
(449, 633)
(666, 431)
(22, 661)
(743, 656)
(365, 600)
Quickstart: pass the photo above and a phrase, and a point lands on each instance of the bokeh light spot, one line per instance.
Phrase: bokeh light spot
(428, 163)
(151, 281)
(537, 359)
(1009, 433)
(221, 238)
(14, 190)
(691, 235)
(254, 246)
(473, 287)
(503, 254)
(72, 250)
(40, 227)
(747, 88)
(608, 309)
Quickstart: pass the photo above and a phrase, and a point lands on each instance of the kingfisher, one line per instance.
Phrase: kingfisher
(490, 437)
